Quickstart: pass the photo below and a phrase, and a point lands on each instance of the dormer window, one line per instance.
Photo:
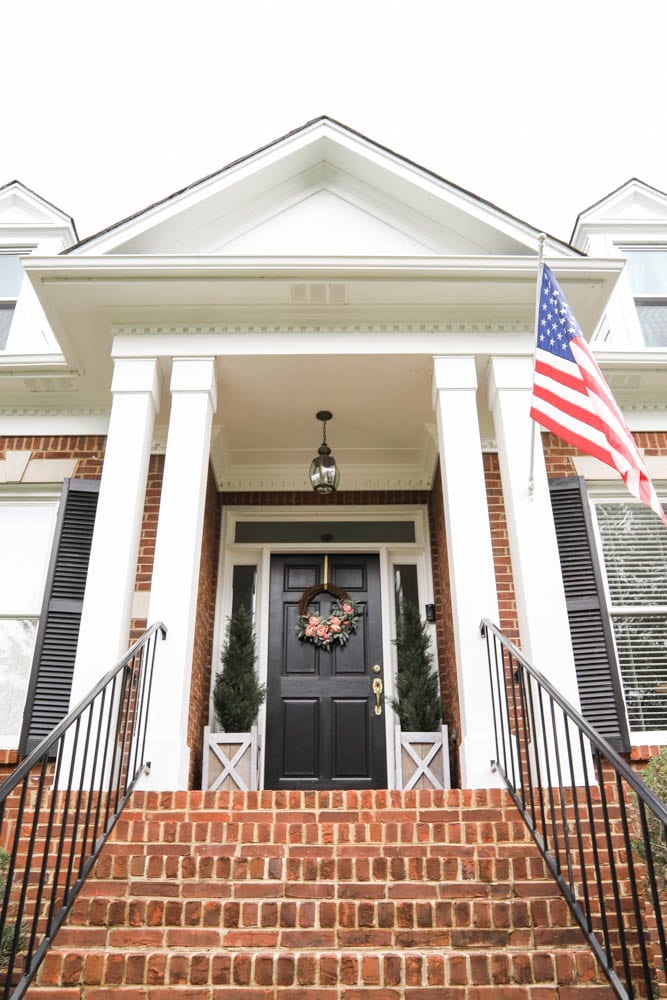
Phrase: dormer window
(11, 276)
(647, 273)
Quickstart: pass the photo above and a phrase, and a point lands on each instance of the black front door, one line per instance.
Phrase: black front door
(322, 727)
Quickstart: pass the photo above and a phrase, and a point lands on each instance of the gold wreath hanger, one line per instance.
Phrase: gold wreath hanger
(322, 588)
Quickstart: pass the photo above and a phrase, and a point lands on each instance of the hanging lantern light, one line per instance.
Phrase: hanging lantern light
(323, 473)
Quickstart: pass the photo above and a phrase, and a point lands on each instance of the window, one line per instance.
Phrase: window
(634, 549)
(26, 531)
(647, 273)
(11, 276)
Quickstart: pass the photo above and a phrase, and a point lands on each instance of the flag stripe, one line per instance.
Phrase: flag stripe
(571, 397)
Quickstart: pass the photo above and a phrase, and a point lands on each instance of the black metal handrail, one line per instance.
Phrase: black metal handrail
(58, 807)
(601, 831)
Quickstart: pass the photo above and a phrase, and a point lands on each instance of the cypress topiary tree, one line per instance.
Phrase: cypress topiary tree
(237, 694)
(417, 685)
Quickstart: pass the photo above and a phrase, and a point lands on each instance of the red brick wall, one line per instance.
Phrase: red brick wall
(501, 551)
(443, 622)
(204, 621)
(149, 523)
(88, 450)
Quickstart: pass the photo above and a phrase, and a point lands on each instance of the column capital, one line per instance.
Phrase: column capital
(136, 375)
(453, 372)
(509, 373)
(194, 375)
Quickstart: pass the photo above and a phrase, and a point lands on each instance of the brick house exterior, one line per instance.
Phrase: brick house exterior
(179, 358)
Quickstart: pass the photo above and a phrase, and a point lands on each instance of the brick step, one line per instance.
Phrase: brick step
(320, 896)
(277, 912)
(315, 972)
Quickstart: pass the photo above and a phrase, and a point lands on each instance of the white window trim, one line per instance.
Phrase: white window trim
(615, 492)
(26, 495)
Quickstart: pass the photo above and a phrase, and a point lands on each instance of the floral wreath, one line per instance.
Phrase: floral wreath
(337, 627)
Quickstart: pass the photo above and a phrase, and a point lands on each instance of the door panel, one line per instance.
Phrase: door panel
(322, 730)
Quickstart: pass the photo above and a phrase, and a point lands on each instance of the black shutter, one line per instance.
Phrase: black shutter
(598, 677)
(58, 632)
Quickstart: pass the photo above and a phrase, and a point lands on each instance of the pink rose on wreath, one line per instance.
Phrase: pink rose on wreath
(325, 632)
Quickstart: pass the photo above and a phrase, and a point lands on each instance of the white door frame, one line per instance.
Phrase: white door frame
(391, 554)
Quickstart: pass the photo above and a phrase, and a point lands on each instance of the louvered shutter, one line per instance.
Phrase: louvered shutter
(600, 689)
(58, 632)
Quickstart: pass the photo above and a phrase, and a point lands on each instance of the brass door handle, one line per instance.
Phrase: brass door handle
(377, 691)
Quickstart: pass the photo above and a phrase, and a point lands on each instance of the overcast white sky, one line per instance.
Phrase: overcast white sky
(539, 107)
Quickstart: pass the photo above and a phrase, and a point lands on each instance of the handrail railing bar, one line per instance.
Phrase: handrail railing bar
(561, 791)
(535, 762)
(653, 882)
(89, 804)
(128, 727)
(496, 713)
(137, 685)
(63, 826)
(79, 795)
(35, 755)
(49, 830)
(598, 741)
(509, 669)
(597, 867)
(110, 747)
(551, 822)
(151, 650)
(612, 868)
(636, 906)
(118, 741)
(578, 819)
(525, 723)
(507, 745)
(98, 804)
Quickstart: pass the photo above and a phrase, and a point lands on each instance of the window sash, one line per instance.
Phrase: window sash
(633, 544)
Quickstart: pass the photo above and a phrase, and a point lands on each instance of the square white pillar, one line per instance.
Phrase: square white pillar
(175, 581)
(471, 570)
(112, 570)
(538, 582)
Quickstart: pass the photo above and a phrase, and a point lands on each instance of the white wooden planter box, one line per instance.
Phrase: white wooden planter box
(422, 759)
(230, 761)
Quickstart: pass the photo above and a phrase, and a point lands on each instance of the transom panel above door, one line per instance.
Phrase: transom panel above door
(325, 721)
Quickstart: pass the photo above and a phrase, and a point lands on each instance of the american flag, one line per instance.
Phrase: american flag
(572, 399)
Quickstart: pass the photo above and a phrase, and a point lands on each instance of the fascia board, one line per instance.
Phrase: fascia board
(42, 270)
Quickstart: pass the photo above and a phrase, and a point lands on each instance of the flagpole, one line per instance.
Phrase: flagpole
(540, 267)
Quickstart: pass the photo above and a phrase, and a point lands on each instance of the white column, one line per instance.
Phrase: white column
(538, 584)
(173, 597)
(471, 570)
(107, 605)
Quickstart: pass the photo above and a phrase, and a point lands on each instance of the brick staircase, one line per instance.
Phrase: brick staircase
(320, 896)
